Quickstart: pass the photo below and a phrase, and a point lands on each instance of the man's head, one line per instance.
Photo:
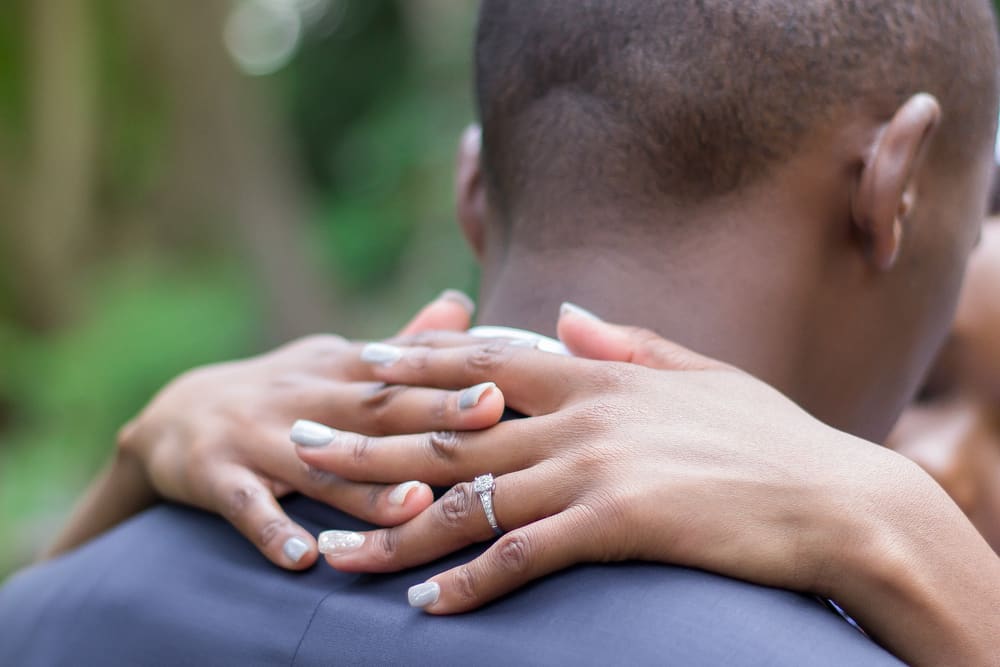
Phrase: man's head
(838, 147)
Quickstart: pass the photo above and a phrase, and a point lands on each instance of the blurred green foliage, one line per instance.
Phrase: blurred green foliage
(371, 106)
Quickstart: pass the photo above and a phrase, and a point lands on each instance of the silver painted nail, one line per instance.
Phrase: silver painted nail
(398, 495)
(573, 309)
(381, 354)
(295, 548)
(461, 298)
(311, 434)
(339, 541)
(423, 595)
(469, 398)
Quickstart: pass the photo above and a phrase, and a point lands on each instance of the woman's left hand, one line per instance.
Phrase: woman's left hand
(711, 469)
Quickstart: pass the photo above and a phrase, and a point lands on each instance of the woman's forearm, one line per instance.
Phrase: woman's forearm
(913, 571)
(120, 490)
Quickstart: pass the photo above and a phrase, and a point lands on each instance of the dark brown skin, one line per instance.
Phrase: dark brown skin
(953, 429)
(808, 281)
(833, 283)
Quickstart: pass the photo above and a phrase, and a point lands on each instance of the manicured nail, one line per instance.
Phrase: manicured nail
(339, 541)
(311, 434)
(461, 298)
(381, 354)
(423, 595)
(295, 548)
(398, 495)
(572, 309)
(469, 398)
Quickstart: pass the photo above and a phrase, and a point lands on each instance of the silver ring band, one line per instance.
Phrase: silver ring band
(484, 486)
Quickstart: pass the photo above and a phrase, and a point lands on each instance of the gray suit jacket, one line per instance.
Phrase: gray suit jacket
(174, 586)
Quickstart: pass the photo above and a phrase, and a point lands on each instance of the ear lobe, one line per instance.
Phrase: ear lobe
(470, 191)
(886, 193)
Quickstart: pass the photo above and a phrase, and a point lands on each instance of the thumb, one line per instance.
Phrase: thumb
(451, 311)
(589, 337)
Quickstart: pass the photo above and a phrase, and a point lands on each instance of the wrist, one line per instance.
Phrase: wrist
(841, 502)
(911, 569)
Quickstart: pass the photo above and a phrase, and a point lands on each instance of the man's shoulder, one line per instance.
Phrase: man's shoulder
(179, 586)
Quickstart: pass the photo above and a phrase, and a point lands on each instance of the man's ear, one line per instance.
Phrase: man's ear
(470, 191)
(886, 192)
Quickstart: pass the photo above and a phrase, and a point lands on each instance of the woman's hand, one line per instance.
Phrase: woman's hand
(588, 478)
(710, 469)
(217, 438)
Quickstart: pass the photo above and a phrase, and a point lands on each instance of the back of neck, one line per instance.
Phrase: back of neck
(739, 304)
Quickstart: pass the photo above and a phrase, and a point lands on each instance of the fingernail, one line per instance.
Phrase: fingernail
(469, 398)
(339, 541)
(423, 595)
(311, 434)
(381, 354)
(398, 495)
(461, 298)
(295, 548)
(572, 309)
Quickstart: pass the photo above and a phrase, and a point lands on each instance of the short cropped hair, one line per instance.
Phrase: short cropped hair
(692, 99)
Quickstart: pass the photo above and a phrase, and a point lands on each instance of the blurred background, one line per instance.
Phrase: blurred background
(196, 180)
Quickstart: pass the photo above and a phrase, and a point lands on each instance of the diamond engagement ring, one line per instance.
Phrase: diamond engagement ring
(484, 487)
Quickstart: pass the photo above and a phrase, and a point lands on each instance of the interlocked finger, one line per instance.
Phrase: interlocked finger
(441, 458)
(375, 408)
(534, 382)
(380, 504)
(520, 556)
(454, 521)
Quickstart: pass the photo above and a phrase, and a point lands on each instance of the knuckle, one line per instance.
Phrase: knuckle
(443, 445)
(316, 347)
(466, 584)
(269, 531)
(203, 453)
(489, 357)
(612, 377)
(318, 351)
(291, 381)
(594, 417)
(374, 496)
(513, 553)
(441, 408)
(652, 350)
(320, 343)
(417, 358)
(386, 545)
(456, 506)
(418, 339)
(613, 507)
(601, 517)
(360, 449)
(378, 406)
(239, 501)
(645, 339)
